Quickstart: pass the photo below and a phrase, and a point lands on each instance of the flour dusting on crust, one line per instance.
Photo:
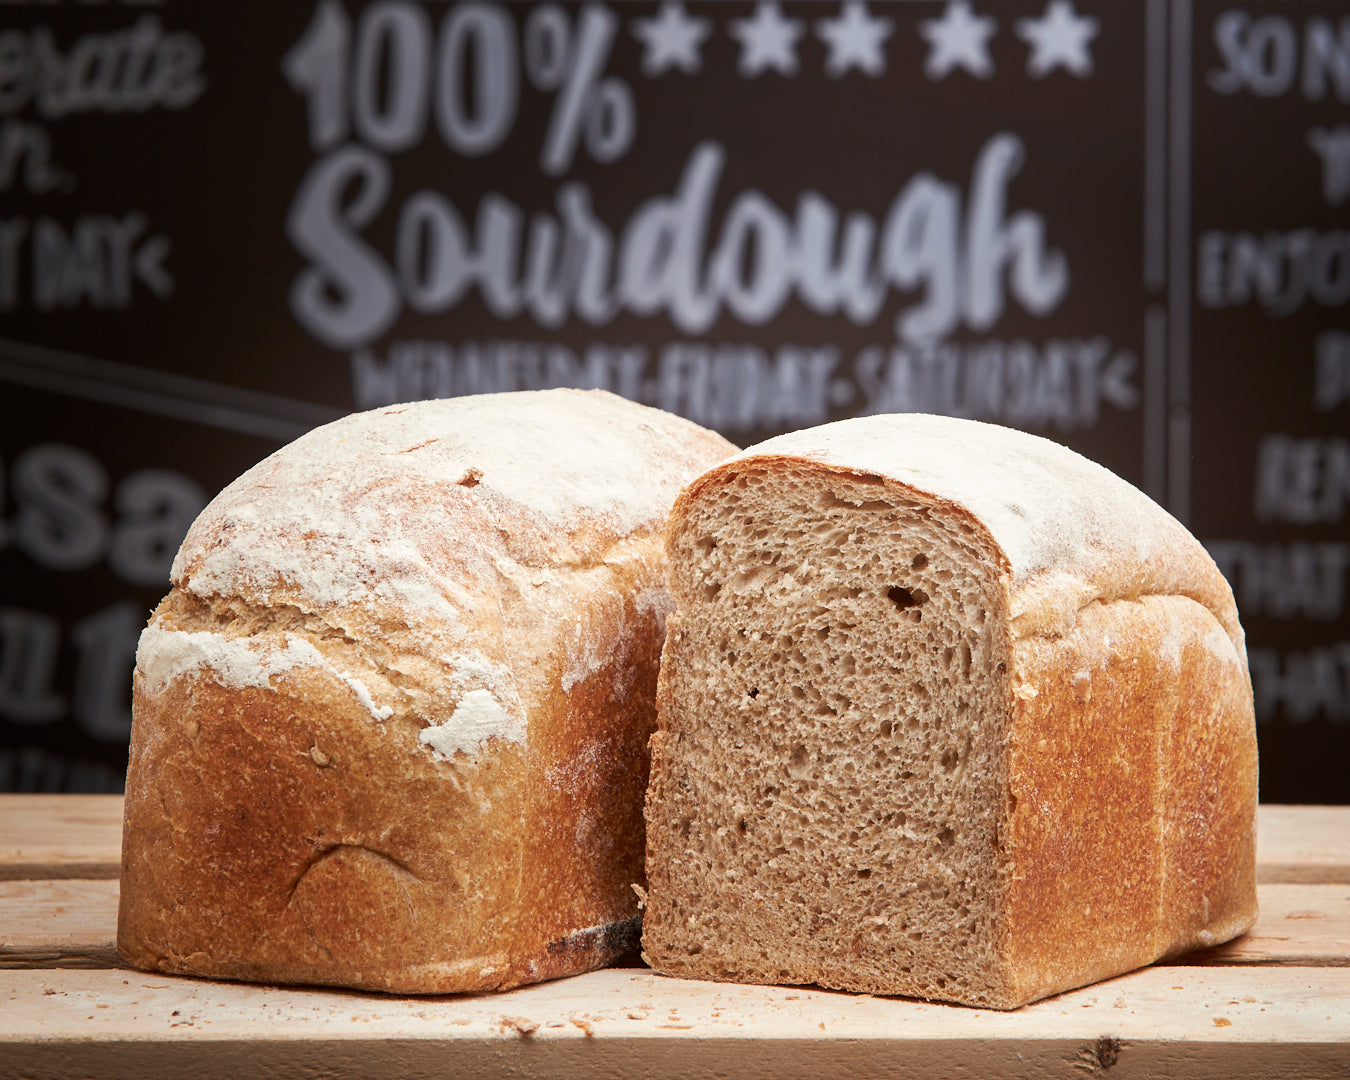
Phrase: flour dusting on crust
(478, 717)
(165, 655)
(417, 541)
(363, 512)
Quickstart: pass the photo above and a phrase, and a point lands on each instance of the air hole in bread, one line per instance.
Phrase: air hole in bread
(901, 597)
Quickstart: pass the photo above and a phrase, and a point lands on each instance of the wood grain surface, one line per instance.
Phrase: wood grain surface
(65, 923)
(1275, 1002)
(60, 836)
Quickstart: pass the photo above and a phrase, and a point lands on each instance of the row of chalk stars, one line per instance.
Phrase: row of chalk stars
(856, 38)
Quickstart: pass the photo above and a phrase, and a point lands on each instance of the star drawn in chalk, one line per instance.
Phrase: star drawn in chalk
(671, 39)
(1059, 38)
(768, 41)
(855, 38)
(960, 39)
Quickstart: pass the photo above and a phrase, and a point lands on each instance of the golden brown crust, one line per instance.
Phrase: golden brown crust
(272, 835)
(291, 815)
(1131, 833)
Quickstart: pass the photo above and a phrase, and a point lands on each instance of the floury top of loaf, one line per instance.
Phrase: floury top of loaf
(945, 710)
(390, 725)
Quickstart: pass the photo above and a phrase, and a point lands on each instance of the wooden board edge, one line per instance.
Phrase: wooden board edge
(750, 1059)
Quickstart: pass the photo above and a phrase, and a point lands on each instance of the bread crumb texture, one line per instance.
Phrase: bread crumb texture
(390, 725)
(944, 711)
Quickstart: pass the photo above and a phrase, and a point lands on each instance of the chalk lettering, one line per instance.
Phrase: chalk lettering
(1303, 481)
(416, 370)
(128, 70)
(59, 490)
(1331, 377)
(1332, 145)
(106, 643)
(1303, 579)
(1326, 59)
(1062, 383)
(60, 521)
(474, 71)
(316, 67)
(1280, 270)
(1306, 685)
(29, 643)
(348, 296)
(732, 387)
(390, 75)
(25, 154)
(96, 261)
(736, 388)
(1262, 56)
(669, 258)
(155, 508)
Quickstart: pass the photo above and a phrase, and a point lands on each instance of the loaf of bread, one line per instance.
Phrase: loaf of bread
(390, 725)
(945, 710)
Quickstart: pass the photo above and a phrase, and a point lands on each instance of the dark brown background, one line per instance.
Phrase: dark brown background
(1128, 166)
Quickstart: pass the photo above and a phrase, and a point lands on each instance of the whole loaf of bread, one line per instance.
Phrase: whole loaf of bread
(945, 710)
(390, 725)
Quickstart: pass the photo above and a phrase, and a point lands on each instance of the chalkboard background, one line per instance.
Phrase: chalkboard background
(1123, 226)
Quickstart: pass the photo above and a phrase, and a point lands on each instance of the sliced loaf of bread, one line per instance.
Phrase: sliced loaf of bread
(948, 711)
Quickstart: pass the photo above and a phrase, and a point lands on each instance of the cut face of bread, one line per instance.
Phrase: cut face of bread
(871, 774)
(841, 675)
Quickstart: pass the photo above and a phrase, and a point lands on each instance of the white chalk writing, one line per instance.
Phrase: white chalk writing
(731, 387)
(60, 521)
(1303, 481)
(99, 260)
(1331, 377)
(26, 156)
(1312, 684)
(1302, 579)
(1332, 145)
(1062, 383)
(1261, 56)
(415, 370)
(387, 75)
(29, 643)
(105, 654)
(737, 388)
(666, 261)
(106, 642)
(128, 70)
(1280, 270)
